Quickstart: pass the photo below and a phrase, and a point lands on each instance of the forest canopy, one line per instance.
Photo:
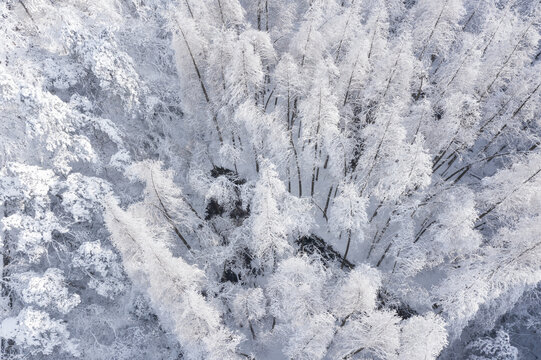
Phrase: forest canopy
(270, 179)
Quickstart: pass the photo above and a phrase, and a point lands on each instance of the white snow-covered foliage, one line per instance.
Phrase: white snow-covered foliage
(48, 289)
(102, 265)
(38, 333)
(270, 179)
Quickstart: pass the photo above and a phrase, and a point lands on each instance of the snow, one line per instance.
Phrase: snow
(285, 179)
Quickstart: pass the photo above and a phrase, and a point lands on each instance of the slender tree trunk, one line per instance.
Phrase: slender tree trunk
(251, 329)
(508, 195)
(296, 161)
(327, 202)
(387, 87)
(288, 178)
(5, 290)
(373, 36)
(525, 101)
(26, 10)
(189, 8)
(259, 15)
(433, 30)
(316, 145)
(347, 250)
(289, 121)
(376, 211)
(350, 80)
(375, 156)
(306, 45)
(384, 254)
(214, 118)
(168, 217)
(455, 74)
(423, 230)
(506, 62)
(326, 162)
(221, 11)
(291, 142)
(256, 161)
(342, 38)
(266, 15)
(234, 146)
(348, 356)
(313, 182)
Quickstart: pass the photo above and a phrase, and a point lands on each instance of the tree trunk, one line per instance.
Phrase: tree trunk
(214, 118)
(327, 202)
(296, 162)
(347, 250)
